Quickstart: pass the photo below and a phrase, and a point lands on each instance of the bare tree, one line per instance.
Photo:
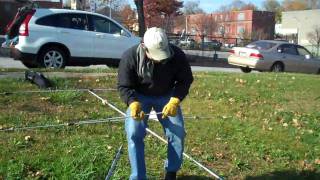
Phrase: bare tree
(314, 38)
(314, 4)
(142, 25)
(205, 25)
(274, 6)
(259, 34)
(192, 7)
(295, 5)
(128, 17)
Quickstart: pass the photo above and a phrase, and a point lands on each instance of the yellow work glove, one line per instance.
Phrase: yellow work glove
(171, 108)
(136, 111)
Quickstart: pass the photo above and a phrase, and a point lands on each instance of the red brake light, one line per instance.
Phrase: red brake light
(254, 55)
(231, 51)
(24, 28)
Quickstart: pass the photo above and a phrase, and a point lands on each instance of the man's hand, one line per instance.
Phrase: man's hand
(171, 108)
(136, 111)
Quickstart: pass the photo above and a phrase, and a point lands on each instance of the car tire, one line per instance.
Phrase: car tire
(245, 69)
(277, 67)
(29, 65)
(52, 57)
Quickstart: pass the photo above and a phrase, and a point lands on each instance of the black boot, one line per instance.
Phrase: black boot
(170, 176)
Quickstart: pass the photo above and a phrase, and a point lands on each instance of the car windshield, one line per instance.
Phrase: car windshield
(261, 45)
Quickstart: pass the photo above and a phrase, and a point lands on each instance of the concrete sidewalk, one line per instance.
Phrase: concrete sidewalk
(195, 57)
(4, 52)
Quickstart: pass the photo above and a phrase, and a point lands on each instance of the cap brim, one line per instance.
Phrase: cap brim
(159, 54)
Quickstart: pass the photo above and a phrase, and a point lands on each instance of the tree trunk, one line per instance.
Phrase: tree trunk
(142, 26)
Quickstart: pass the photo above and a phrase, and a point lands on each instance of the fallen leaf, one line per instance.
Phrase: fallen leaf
(296, 123)
(38, 173)
(267, 158)
(220, 155)
(27, 138)
(310, 131)
(44, 98)
(317, 161)
(285, 124)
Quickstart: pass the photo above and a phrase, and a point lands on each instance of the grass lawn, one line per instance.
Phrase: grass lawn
(243, 126)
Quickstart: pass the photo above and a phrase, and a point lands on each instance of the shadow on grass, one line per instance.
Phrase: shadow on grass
(194, 178)
(287, 175)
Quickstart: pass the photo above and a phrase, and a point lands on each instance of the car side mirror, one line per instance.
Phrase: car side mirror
(307, 56)
(279, 50)
(124, 33)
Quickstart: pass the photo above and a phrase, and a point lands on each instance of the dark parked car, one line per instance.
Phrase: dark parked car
(213, 44)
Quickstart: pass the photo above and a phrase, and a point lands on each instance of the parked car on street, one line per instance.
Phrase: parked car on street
(188, 42)
(213, 44)
(54, 38)
(276, 56)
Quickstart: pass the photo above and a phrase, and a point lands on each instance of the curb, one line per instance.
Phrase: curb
(208, 62)
(4, 52)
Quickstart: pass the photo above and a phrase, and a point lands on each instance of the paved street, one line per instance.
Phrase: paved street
(6, 62)
(221, 55)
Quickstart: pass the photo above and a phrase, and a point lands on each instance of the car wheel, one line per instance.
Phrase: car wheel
(29, 65)
(53, 57)
(245, 69)
(277, 67)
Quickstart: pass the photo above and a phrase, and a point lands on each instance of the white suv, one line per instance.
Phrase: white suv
(54, 38)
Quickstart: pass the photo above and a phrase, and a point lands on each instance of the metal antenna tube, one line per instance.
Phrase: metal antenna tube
(55, 90)
(114, 163)
(159, 137)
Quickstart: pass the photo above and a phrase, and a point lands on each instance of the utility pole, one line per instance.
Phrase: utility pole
(110, 9)
(186, 26)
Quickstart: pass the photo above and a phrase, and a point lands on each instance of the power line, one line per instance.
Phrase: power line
(114, 163)
(57, 90)
(105, 102)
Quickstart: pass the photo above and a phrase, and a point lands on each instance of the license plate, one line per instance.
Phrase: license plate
(242, 54)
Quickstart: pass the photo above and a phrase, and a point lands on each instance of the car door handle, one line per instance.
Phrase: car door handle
(99, 35)
(64, 32)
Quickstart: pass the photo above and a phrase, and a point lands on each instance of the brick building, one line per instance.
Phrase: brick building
(246, 24)
(8, 9)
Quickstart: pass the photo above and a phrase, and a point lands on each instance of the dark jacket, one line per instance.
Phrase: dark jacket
(171, 76)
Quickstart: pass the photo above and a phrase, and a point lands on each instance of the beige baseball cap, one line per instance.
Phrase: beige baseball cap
(156, 41)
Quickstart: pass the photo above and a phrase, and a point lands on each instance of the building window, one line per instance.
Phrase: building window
(241, 16)
(227, 17)
(240, 29)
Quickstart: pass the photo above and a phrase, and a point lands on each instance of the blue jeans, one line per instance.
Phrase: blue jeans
(136, 131)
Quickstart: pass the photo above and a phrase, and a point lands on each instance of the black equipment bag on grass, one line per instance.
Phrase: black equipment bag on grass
(38, 78)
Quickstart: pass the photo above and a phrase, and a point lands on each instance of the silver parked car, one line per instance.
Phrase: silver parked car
(276, 56)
